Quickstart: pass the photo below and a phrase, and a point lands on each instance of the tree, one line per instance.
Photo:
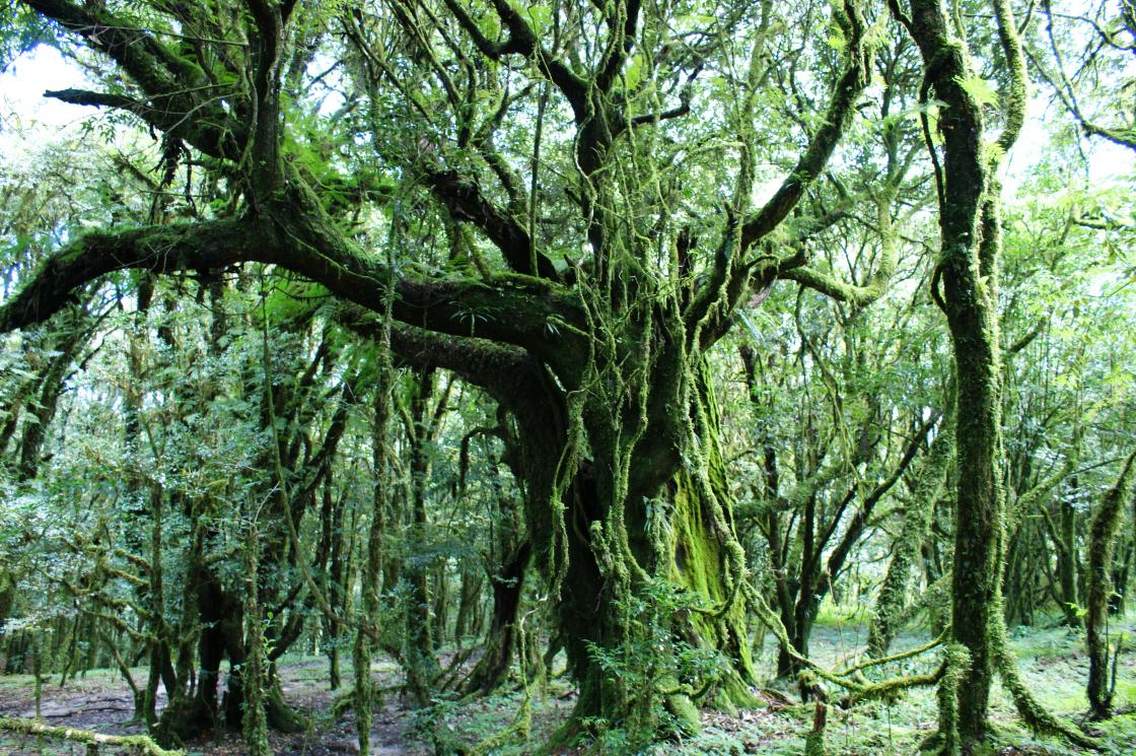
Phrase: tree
(968, 270)
(599, 361)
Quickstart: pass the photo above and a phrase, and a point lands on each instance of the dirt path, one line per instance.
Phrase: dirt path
(1051, 661)
(100, 701)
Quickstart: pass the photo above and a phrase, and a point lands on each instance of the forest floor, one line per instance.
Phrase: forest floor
(1052, 661)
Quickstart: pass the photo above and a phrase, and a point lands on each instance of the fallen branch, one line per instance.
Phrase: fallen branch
(141, 744)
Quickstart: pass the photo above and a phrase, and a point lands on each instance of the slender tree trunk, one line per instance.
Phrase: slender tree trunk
(368, 629)
(501, 636)
(1067, 561)
(1105, 524)
(469, 596)
(159, 648)
(253, 672)
(336, 593)
(421, 664)
(930, 480)
(441, 610)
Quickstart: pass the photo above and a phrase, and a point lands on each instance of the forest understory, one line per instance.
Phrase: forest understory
(1050, 657)
(513, 376)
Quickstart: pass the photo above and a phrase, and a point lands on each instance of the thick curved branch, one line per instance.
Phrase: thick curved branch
(1014, 100)
(177, 88)
(859, 296)
(464, 200)
(759, 273)
(148, 62)
(517, 310)
(505, 372)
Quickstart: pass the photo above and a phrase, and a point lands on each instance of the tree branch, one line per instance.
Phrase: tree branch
(847, 91)
(175, 85)
(464, 200)
(518, 310)
(209, 139)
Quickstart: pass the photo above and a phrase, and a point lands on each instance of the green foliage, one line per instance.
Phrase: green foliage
(596, 409)
(21, 29)
(656, 668)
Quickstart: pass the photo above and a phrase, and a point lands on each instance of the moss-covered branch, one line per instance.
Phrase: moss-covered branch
(134, 743)
(516, 309)
(845, 94)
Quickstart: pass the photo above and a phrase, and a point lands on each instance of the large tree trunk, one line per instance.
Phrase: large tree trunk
(978, 522)
(191, 712)
(689, 595)
(969, 279)
(592, 621)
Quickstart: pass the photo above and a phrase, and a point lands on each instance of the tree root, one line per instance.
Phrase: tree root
(1036, 716)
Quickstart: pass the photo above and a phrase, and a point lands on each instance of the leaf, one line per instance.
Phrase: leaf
(634, 72)
(490, 25)
(979, 89)
(540, 16)
(694, 21)
(836, 39)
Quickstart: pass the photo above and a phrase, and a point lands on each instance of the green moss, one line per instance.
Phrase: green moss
(140, 743)
(892, 596)
(1105, 524)
(687, 718)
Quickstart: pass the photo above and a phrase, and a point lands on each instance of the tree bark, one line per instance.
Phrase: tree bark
(1105, 524)
(501, 635)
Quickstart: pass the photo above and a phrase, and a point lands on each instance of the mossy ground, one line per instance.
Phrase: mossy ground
(1052, 661)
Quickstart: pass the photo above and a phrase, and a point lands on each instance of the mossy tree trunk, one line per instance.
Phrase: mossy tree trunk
(336, 588)
(421, 423)
(469, 596)
(1105, 524)
(368, 630)
(254, 673)
(591, 619)
(967, 270)
(680, 536)
(1066, 544)
(500, 645)
(965, 286)
(930, 479)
